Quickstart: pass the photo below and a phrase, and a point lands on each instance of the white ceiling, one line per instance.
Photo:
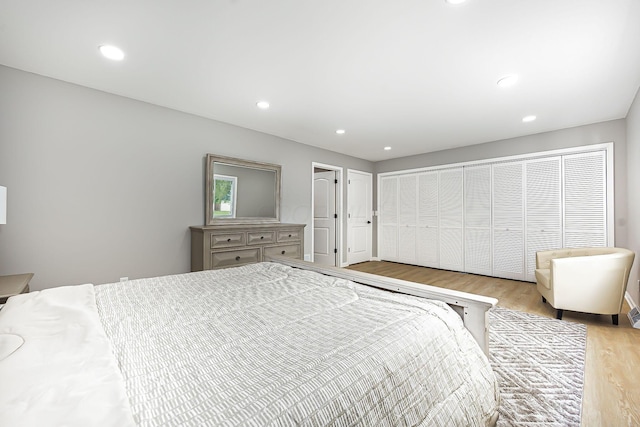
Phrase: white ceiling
(416, 75)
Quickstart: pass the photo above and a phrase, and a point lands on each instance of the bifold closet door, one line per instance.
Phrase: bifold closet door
(407, 218)
(508, 220)
(388, 229)
(427, 231)
(492, 218)
(450, 219)
(477, 219)
(543, 207)
(585, 199)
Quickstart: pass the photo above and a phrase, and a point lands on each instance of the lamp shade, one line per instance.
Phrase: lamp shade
(3, 205)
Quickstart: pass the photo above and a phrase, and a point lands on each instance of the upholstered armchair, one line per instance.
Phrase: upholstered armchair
(590, 280)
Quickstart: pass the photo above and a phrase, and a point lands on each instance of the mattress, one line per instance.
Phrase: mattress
(270, 345)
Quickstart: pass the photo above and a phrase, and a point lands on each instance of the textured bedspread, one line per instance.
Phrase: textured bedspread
(266, 344)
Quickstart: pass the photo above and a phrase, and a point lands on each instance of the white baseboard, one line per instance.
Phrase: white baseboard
(630, 300)
(375, 258)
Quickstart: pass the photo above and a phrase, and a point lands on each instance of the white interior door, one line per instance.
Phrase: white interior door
(388, 218)
(477, 219)
(508, 220)
(543, 209)
(450, 219)
(427, 247)
(585, 200)
(407, 215)
(324, 218)
(359, 190)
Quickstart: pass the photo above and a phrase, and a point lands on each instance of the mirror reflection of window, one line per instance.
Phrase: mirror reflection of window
(224, 196)
(257, 199)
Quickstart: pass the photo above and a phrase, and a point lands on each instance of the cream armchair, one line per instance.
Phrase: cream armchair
(591, 280)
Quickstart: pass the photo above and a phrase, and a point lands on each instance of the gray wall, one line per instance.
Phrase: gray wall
(611, 131)
(101, 186)
(633, 193)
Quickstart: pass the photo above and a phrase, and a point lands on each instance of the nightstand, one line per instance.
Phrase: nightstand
(14, 285)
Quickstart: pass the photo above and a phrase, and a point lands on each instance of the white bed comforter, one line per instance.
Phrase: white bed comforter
(56, 363)
(264, 345)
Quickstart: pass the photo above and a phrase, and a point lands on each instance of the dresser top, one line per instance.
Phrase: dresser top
(264, 226)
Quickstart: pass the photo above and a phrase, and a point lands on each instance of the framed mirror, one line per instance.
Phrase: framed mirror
(241, 191)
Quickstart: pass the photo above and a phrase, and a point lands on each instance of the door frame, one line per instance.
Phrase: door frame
(339, 202)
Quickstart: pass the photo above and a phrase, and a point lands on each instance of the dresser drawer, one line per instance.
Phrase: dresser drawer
(230, 258)
(292, 251)
(288, 236)
(260, 237)
(227, 240)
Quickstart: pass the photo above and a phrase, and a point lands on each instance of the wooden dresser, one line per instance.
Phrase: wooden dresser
(220, 246)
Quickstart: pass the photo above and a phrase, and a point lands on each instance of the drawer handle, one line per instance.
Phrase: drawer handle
(283, 252)
(238, 258)
(229, 239)
(261, 237)
(289, 235)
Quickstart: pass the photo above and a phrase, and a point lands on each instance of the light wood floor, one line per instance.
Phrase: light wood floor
(612, 367)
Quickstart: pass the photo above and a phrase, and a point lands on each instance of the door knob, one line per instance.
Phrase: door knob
(368, 222)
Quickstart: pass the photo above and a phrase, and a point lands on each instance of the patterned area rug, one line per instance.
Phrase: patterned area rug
(539, 363)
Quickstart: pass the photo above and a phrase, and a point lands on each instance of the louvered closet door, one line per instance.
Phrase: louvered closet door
(585, 200)
(388, 239)
(477, 219)
(543, 209)
(408, 207)
(508, 220)
(427, 231)
(450, 221)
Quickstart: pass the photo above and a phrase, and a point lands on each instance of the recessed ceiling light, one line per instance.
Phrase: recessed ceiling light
(341, 131)
(527, 119)
(455, 1)
(507, 81)
(263, 105)
(387, 148)
(112, 52)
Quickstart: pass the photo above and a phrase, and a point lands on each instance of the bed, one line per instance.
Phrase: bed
(265, 344)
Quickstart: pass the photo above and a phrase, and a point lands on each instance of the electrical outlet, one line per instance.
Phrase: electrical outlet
(124, 279)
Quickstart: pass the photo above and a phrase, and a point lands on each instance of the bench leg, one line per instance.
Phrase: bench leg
(559, 314)
(544, 299)
(615, 319)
